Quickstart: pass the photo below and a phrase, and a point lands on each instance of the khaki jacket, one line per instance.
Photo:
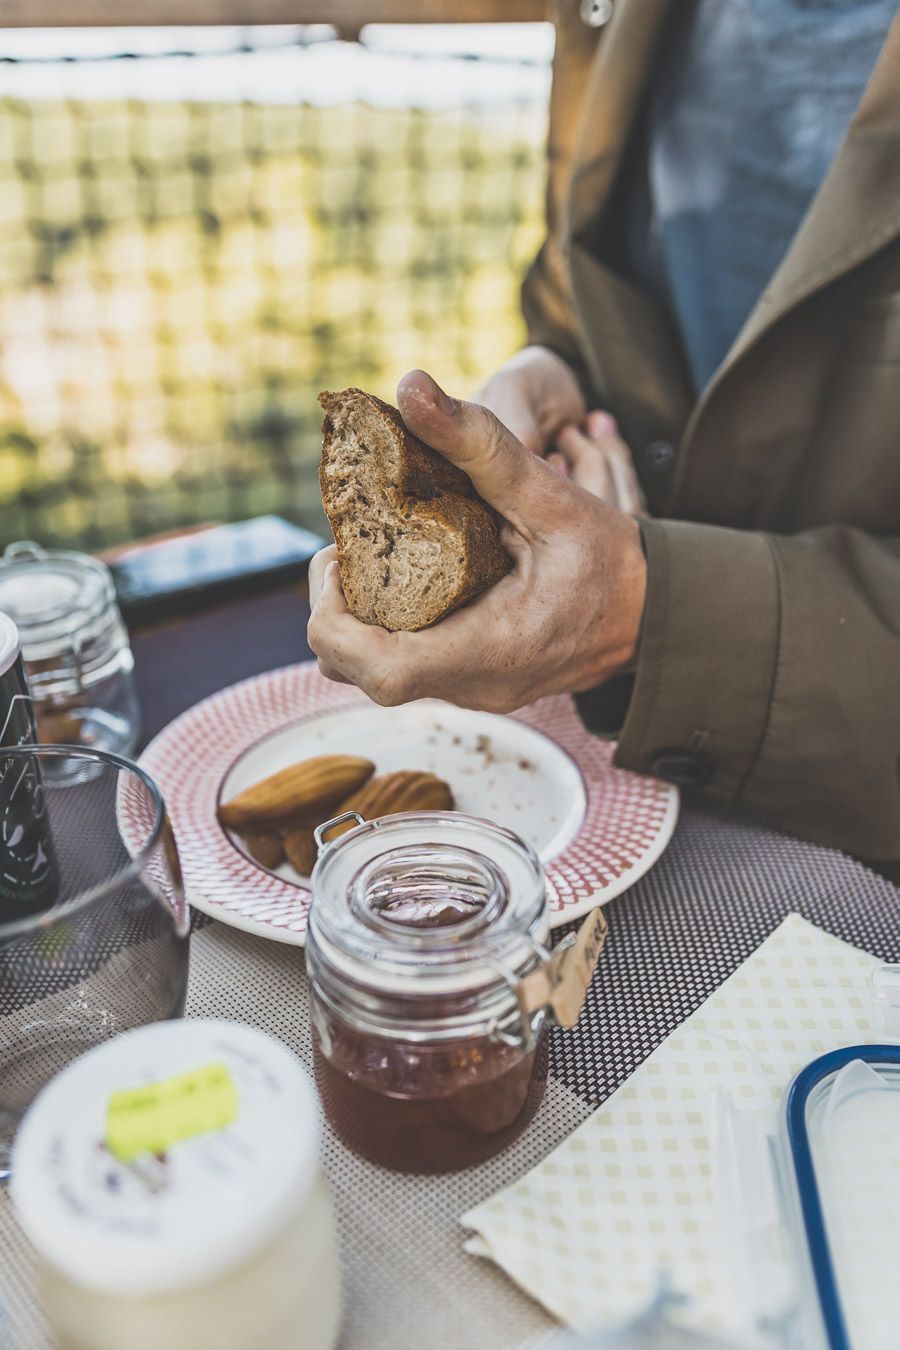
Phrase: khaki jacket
(769, 662)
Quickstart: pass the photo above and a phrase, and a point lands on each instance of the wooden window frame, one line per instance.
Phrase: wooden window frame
(345, 15)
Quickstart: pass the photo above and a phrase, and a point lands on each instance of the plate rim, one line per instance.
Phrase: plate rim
(350, 697)
(613, 889)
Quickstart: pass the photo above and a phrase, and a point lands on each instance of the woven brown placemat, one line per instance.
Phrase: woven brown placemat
(718, 891)
(407, 1281)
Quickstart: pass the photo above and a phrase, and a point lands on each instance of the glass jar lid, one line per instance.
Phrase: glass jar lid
(428, 904)
(9, 642)
(53, 596)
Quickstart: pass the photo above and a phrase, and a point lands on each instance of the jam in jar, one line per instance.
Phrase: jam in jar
(420, 928)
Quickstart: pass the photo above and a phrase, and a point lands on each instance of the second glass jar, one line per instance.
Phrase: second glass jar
(74, 645)
(420, 928)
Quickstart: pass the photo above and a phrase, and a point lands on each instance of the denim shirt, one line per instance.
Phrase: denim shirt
(749, 105)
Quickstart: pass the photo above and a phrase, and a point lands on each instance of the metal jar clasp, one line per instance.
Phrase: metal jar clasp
(520, 987)
(320, 831)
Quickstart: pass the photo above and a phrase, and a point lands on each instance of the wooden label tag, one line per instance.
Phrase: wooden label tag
(561, 984)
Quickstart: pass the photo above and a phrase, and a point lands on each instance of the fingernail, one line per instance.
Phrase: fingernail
(444, 402)
(417, 386)
(605, 423)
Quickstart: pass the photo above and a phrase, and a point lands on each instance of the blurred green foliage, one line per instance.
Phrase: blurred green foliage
(178, 281)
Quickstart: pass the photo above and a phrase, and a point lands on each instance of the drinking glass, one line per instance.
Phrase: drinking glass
(93, 921)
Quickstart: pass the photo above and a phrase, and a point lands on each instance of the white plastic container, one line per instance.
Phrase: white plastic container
(224, 1240)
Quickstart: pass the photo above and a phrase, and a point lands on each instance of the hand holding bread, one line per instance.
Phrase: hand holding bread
(564, 618)
(414, 540)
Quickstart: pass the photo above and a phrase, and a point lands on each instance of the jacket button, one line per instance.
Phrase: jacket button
(659, 456)
(684, 768)
(596, 13)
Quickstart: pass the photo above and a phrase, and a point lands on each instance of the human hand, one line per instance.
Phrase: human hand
(534, 395)
(564, 619)
(598, 460)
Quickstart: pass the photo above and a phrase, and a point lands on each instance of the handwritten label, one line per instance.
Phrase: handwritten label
(152, 1118)
(561, 984)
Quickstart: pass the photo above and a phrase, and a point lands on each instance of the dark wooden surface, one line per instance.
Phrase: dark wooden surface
(178, 664)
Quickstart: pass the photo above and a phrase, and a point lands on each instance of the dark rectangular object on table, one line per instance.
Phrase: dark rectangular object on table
(226, 562)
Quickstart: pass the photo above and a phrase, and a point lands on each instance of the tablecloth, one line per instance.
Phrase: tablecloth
(721, 887)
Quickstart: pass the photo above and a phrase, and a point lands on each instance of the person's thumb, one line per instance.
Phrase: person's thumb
(508, 477)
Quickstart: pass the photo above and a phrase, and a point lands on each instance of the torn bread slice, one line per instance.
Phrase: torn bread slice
(414, 539)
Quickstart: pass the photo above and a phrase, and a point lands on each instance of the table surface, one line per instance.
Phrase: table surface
(720, 888)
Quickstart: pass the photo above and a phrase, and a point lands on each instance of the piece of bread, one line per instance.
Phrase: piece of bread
(414, 539)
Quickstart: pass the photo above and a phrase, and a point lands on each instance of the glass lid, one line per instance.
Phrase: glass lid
(9, 642)
(431, 896)
(51, 596)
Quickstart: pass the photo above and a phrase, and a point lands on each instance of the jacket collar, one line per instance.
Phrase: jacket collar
(618, 77)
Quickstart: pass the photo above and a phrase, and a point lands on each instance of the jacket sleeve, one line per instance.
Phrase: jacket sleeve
(768, 674)
(546, 292)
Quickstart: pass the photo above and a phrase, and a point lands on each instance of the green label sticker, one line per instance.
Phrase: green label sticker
(151, 1119)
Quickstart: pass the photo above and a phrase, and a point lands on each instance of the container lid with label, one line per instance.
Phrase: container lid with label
(52, 596)
(165, 1157)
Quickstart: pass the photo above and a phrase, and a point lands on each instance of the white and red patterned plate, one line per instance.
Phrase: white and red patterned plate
(596, 828)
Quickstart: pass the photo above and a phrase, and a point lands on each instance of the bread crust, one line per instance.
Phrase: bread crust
(422, 496)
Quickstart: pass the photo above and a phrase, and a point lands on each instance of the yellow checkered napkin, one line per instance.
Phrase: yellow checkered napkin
(627, 1199)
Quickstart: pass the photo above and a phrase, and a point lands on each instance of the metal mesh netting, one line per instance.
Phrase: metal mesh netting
(180, 277)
